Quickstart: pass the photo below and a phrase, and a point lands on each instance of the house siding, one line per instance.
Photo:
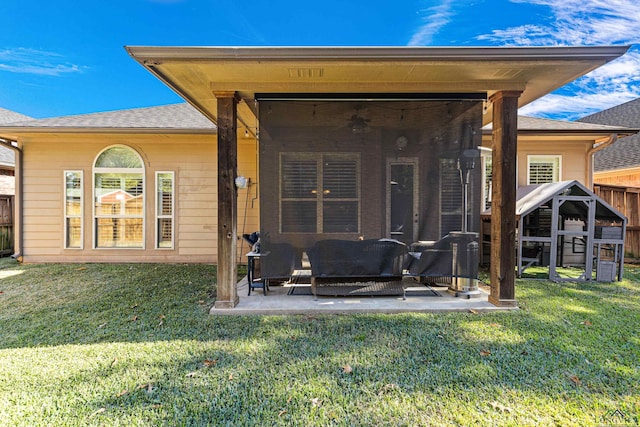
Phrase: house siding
(193, 158)
(576, 165)
(573, 167)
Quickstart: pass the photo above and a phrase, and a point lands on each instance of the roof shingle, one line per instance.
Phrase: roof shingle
(7, 155)
(538, 124)
(624, 153)
(8, 116)
(166, 117)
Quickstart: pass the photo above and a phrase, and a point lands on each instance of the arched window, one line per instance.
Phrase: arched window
(118, 193)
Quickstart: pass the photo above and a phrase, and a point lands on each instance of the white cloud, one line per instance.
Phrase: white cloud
(33, 61)
(575, 23)
(574, 107)
(612, 84)
(433, 19)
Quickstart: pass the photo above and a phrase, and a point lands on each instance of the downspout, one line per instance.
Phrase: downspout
(600, 144)
(17, 206)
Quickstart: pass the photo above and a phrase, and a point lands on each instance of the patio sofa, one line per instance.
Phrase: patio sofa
(345, 262)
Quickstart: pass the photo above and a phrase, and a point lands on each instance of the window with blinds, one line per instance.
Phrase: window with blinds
(487, 181)
(543, 169)
(164, 209)
(73, 208)
(450, 197)
(319, 193)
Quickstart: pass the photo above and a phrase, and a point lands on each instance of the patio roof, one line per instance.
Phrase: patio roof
(197, 73)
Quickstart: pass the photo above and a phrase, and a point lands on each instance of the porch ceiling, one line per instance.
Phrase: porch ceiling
(197, 73)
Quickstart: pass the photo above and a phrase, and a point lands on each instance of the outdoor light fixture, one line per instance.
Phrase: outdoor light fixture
(242, 182)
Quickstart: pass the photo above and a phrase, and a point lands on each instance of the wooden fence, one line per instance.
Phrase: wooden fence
(627, 201)
(6, 225)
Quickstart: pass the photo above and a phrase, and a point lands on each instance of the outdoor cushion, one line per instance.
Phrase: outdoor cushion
(434, 260)
(277, 260)
(357, 258)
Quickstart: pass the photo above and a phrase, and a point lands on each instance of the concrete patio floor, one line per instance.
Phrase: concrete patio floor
(279, 302)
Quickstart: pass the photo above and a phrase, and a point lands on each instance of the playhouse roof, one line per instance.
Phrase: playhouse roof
(531, 197)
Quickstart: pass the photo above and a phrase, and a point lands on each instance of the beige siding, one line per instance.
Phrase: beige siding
(193, 158)
(574, 158)
(576, 162)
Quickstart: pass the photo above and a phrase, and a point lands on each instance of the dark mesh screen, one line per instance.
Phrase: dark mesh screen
(342, 172)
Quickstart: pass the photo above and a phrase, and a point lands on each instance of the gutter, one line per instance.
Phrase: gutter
(152, 55)
(17, 206)
(600, 144)
(603, 143)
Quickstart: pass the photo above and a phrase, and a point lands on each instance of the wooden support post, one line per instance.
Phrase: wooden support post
(227, 296)
(503, 196)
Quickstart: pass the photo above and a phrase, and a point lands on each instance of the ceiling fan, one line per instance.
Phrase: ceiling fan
(358, 124)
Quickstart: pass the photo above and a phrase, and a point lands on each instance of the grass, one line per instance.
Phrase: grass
(134, 345)
(542, 272)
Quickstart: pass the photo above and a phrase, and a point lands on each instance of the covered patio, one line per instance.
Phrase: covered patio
(295, 299)
(323, 114)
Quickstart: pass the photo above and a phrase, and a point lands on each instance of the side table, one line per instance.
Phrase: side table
(253, 282)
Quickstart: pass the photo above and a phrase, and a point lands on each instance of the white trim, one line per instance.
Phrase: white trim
(67, 216)
(94, 217)
(158, 216)
(557, 157)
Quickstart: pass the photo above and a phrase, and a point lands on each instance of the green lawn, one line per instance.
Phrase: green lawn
(134, 345)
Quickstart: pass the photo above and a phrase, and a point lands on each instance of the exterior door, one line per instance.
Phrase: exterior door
(402, 199)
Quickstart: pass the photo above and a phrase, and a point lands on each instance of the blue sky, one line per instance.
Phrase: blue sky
(66, 57)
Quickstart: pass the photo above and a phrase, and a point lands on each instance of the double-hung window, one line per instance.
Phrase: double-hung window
(543, 169)
(118, 191)
(73, 207)
(320, 193)
(164, 209)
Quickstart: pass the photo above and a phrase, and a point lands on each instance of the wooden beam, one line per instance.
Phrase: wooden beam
(503, 204)
(227, 296)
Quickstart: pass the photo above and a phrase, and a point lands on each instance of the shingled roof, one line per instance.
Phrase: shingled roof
(166, 118)
(625, 153)
(7, 155)
(535, 124)
(8, 116)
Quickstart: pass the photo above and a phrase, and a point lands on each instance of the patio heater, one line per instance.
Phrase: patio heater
(464, 244)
